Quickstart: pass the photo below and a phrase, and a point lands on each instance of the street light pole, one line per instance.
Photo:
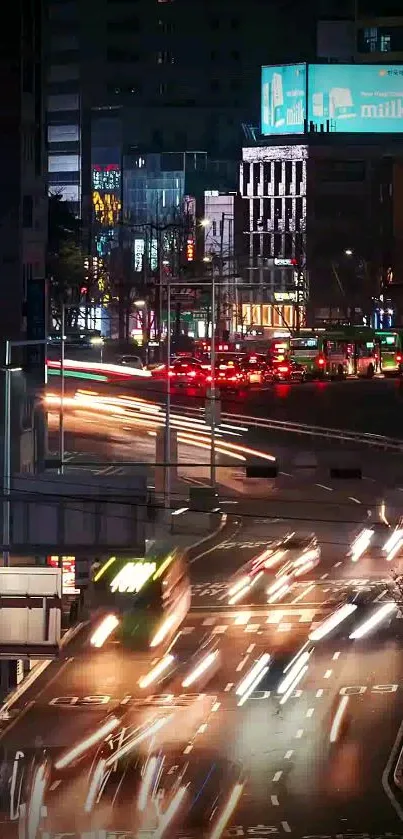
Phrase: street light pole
(212, 389)
(167, 457)
(61, 414)
(8, 370)
(7, 457)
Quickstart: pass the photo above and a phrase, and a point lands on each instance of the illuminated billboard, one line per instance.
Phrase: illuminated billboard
(333, 98)
(355, 98)
(283, 99)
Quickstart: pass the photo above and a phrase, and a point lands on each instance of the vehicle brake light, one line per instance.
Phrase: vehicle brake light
(209, 378)
(171, 373)
(398, 357)
(284, 369)
(192, 374)
(321, 361)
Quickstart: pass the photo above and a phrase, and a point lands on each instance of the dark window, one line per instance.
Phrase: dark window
(235, 23)
(116, 54)
(214, 85)
(235, 54)
(28, 71)
(214, 23)
(27, 211)
(128, 24)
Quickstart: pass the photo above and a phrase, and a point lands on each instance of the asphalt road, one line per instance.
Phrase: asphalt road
(373, 406)
(293, 780)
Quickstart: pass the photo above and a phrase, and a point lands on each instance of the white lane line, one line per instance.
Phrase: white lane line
(242, 663)
(274, 801)
(299, 733)
(304, 593)
(228, 687)
(323, 486)
(356, 500)
(286, 827)
(202, 728)
(323, 577)
(319, 693)
(336, 656)
(328, 674)
(188, 749)
(277, 776)
(288, 754)
(54, 785)
(250, 648)
(287, 474)
(337, 564)
(310, 712)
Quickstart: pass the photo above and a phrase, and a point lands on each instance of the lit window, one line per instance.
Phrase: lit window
(371, 39)
(385, 43)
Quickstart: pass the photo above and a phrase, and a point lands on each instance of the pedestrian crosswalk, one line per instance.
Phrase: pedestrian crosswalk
(253, 621)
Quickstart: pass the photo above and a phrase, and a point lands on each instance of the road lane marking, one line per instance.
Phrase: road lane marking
(284, 627)
(299, 733)
(323, 577)
(251, 648)
(328, 674)
(337, 564)
(356, 500)
(228, 687)
(209, 622)
(288, 754)
(274, 801)
(188, 749)
(336, 656)
(55, 785)
(286, 827)
(319, 693)
(277, 776)
(323, 486)
(304, 593)
(310, 712)
(242, 663)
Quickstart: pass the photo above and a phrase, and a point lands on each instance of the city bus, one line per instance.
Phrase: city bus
(391, 350)
(338, 352)
(150, 596)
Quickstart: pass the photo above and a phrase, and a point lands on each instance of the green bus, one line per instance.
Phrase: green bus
(149, 596)
(336, 352)
(391, 351)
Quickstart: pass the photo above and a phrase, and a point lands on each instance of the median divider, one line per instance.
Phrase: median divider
(398, 771)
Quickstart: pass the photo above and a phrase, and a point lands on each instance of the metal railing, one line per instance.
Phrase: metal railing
(377, 441)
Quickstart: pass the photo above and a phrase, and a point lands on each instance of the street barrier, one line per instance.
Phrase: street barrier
(377, 441)
(346, 473)
(264, 470)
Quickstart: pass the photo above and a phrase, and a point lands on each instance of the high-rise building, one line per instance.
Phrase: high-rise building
(364, 31)
(23, 228)
(181, 75)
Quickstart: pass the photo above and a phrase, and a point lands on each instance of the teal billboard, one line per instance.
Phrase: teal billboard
(340, 98)
(283, 99)
(355, 98)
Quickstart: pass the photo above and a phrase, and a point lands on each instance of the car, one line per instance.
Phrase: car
(285, 370)
(230, 372)
(185, 372)
(301, 551)
(131, 361)
(370, 541)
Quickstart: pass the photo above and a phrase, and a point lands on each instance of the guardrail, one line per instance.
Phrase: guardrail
(358, 438)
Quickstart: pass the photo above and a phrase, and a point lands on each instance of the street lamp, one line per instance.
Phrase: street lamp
(8, 369)
(348, 252)
(94, 341)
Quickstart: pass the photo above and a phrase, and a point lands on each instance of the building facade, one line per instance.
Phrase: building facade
(182, 75)
(322, 212)
(363, 31)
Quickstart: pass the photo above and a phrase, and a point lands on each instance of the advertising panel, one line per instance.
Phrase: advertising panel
(283, 99)
(355, 98)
